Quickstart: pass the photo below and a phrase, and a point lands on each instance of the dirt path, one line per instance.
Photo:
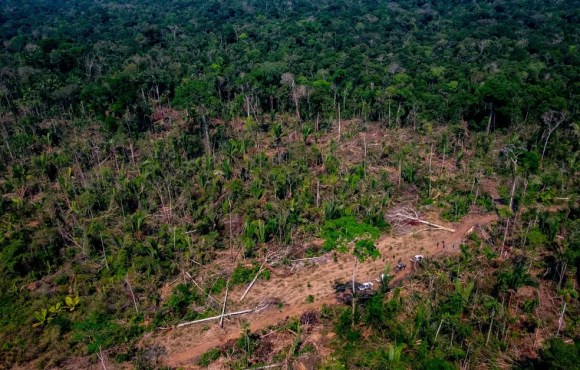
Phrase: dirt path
(186, 344)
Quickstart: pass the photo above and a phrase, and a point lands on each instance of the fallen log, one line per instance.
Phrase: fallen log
(252, 283)
(400, 217)
(225, 302)
(214, 318)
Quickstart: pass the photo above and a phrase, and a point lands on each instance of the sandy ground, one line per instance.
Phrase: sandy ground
(184, 345)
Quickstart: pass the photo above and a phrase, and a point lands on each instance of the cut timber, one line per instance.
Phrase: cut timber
(434, 225)
(400, 217)
(252, 283)
(214, 318)
(225, 302)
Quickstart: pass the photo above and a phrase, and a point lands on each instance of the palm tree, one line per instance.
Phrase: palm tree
(511, 281)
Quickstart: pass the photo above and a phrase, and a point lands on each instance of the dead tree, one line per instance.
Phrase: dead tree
(296, 91)
(552, 119)
(402, 217)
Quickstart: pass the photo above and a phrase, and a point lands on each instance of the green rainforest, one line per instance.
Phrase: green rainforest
(292, 184)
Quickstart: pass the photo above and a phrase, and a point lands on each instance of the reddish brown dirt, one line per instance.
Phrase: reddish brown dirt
(186, 344)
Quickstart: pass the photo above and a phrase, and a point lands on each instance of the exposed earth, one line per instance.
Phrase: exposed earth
(183, 346)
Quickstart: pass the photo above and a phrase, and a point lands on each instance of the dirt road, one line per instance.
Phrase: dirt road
(186, 344)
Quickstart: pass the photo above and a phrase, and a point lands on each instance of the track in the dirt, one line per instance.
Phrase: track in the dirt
(185, 345)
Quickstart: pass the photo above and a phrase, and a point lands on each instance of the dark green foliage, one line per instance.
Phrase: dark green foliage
(459, 204)
(182, 297)
(436, 364)
(141, 139)
(514, 278)
(559, 355)
(99, 331)
(243, 274)
(209, 357)
(555, 355)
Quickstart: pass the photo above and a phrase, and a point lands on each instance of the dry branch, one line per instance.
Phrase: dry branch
(214, 318)
(252, 283)
(271, 258)
(225, 302)
(200, 288)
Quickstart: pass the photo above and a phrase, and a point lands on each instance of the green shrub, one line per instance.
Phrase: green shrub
(182, 297)
(339, 232)
(209, 357)
(243, 275)
(559, 355)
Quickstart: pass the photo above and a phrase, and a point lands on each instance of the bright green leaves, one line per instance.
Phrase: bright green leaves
(340, 232)
(41, 317)
(198, 94)
(44, 316)
(72, 302)
(365, 248)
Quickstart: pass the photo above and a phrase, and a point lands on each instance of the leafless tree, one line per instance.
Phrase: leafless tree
(296, 91)
(173, 30)
(552, 119)
(512, 153)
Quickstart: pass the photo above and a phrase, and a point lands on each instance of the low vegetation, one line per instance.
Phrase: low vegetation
(156, 157)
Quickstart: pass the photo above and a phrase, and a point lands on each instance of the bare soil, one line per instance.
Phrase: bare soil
(185, 345)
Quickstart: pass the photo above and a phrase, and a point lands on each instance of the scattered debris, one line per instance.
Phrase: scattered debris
(365, 286)
(309, 318)
(303, 262)
(402, 217)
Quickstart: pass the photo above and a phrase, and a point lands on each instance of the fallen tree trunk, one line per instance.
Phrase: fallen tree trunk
(225, 302)
(434, 225)
(402, 217)
(252, 283)
(214, 318)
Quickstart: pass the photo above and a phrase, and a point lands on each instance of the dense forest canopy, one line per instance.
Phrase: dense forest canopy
(142, 141)
(437, 61)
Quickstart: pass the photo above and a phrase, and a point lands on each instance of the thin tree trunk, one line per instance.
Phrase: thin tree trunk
(252, 283)
(400, 170)
(365, 145)
(562, 274)
(389, 112)
(316, 122)
(206, 142)
(512, 192)
(507, 226)
(561, 319)
(339, 123)
(430, 160)
(490, 326)
(214, 318)
(5, 136)
(545, 146)
(488, 129)
(437, 333)
(102, 358)
(132, 294)
(354, 289)
(225, 303)
(104, 254)
(398, 118)
(317, 193)
(435, 225)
